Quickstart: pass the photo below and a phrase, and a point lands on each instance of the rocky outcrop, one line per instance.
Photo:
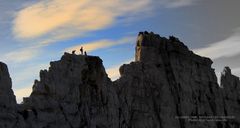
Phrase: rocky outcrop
(74, 93)
(7, 98)
(8, 113)
(231, 96)
(166, 83)
(167, 86)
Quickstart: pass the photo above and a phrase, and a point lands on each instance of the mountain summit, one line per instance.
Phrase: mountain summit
(167, 86)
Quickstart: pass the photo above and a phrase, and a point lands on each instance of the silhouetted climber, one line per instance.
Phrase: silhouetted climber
(81, 50)
(85, 53)
(73, 52)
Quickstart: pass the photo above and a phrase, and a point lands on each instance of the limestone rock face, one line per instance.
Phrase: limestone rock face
(167, 86)
(167, 82)
(75, 92)
(231, 96)
(7, 97)
(8, 114)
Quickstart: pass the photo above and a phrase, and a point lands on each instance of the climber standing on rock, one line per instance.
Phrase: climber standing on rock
(81, 50)
(85, 53)
(73, 52)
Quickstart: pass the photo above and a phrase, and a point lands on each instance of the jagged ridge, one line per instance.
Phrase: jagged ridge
(166, 81)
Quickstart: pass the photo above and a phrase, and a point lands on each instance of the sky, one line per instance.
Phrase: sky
(33, 32)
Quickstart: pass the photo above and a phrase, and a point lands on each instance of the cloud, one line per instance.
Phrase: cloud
(23, 92)
(54, 20)
(58, 17)
(21, 55)
(89, 47)
(113, 72)
(179, 3)
(225, 48)
(236, 71)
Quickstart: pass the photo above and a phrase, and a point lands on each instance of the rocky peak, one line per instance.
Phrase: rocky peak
(5, 80)
(75, 92)
(228, 80)
(165, 83)
(7, 97)
(8, 115)
(71, 71)
(150, 46)
(231, 94)
(226, 71)
(165, 79)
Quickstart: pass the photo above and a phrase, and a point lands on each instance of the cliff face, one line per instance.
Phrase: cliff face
(166, 82)
(231, 95)
(8, 112)
(7, 98)
(75, 92)
(167, 86)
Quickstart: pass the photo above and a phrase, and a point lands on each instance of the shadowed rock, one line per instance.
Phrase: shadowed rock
(166, 82)
(231, 96)
(167, 86)
(74, 92)
(7, 97)
(8, 114)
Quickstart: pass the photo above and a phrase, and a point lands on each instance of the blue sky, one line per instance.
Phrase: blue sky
(33, 33)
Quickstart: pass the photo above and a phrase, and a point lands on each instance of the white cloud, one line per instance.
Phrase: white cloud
(54, 20)
(89, 47)
(21, 55)
(113, 72)
(236, 71)
(225, 48)
(61, 17)
(23, 92)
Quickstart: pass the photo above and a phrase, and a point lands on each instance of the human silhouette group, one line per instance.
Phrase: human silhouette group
(81, 51)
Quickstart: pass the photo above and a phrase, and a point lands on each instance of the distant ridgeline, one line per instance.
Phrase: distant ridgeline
(167, 86)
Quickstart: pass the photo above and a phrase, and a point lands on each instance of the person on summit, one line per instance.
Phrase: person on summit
(81, 50)
(85, 53)
(73, 52)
